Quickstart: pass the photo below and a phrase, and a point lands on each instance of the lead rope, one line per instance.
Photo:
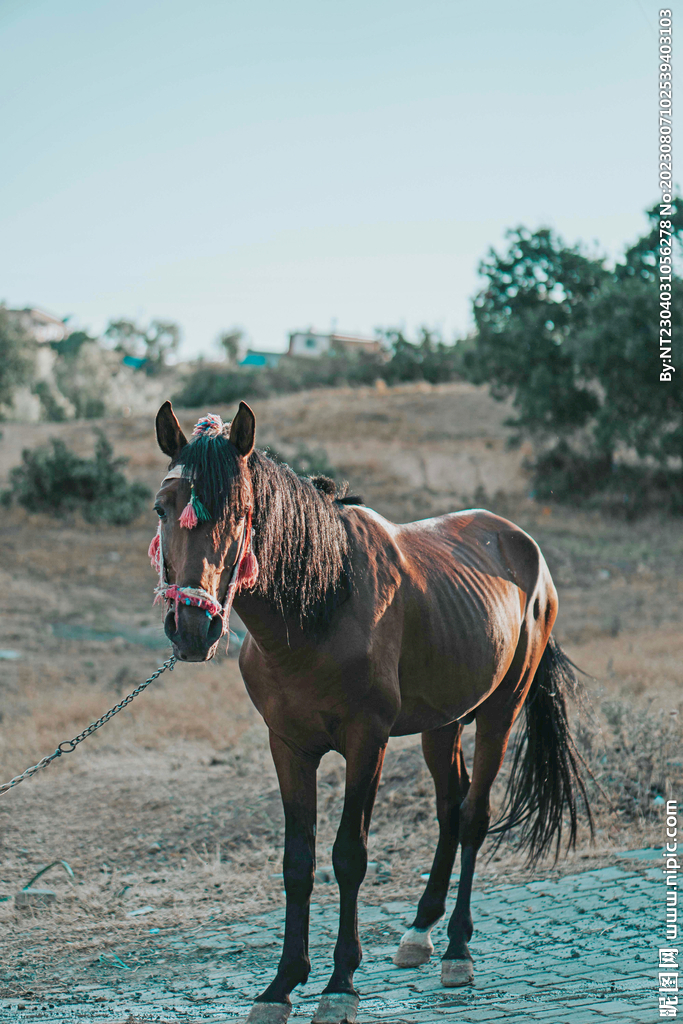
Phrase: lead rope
(241, 574)
(68, 746)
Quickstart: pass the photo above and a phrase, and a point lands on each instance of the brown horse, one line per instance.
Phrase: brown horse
(359, 630)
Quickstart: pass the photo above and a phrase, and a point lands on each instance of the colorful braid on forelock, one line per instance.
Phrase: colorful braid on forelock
(195, 511)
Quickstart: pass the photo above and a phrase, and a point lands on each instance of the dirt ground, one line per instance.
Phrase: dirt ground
(174, 805)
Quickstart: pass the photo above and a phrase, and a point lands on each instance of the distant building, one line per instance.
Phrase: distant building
(312, 345)
(255, 358)
(41, 326)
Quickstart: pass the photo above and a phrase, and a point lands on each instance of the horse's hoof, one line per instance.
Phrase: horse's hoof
(414, 949)
(336, 1008)
(456, 972)
(269, 1013)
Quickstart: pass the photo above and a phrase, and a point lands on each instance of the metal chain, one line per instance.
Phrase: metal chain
(68, 746)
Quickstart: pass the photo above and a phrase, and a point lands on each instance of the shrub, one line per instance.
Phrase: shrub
(57, 481)
(207, 385)
(428, 359)
(597, 482)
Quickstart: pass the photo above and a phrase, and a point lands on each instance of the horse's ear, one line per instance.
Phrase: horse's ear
(243, 429)
(170, 437)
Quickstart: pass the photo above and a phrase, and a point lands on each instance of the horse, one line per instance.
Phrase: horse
(359, 630)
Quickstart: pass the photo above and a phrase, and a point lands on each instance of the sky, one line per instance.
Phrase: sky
(279, 166)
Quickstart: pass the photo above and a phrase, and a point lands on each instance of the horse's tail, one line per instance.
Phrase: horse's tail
(545, 778)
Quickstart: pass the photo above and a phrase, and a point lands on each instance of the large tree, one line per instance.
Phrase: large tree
(575, 343)
(619, 349)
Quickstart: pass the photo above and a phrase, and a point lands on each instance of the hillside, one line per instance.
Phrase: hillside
(175, 802)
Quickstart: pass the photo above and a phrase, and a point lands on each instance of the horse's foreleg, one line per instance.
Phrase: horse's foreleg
(297, 777)
(364, 753)
(475, 813)
(444, 757)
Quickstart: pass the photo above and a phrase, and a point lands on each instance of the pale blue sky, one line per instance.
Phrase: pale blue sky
(280, 164)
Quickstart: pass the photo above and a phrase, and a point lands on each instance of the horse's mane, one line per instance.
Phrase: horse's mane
(299, 536)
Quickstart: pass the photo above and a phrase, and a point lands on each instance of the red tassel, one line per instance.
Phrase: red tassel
(154, 552)
(188, 517)
(248, 573)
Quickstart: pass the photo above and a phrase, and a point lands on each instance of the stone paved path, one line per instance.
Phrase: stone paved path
(576, 951)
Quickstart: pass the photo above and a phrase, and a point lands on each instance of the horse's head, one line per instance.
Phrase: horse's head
(203, 545)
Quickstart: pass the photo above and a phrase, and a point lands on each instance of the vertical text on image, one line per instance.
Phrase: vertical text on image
(667, 369)
(668, 955)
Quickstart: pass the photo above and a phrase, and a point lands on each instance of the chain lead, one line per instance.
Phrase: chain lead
(68, 746)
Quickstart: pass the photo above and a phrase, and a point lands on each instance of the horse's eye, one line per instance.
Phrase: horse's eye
(161, 512)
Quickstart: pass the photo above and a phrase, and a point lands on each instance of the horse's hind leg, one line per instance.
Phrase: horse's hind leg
(494, 721)
(443, 753)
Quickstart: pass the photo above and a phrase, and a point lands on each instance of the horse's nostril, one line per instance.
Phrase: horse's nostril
(169, 625)
(193, 634)
(215, 629)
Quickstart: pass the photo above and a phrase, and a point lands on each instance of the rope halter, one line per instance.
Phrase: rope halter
(244, 572)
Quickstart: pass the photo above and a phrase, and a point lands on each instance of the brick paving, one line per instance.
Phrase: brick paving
(574, 951)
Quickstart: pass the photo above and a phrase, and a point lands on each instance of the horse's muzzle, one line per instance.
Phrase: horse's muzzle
(193, 634)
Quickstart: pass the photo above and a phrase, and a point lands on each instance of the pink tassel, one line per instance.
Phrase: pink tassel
(248, 573)
(188, 517)
(154, 552)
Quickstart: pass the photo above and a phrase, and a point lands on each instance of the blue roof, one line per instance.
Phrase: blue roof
(133, 361)
(256, 358)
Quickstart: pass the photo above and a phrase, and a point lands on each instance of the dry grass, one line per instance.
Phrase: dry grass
(637, 759)
(187, 766)
(213, 710)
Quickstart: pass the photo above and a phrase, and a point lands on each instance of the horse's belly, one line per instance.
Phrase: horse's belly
(442, 678)
(436, 702)
(422, 717)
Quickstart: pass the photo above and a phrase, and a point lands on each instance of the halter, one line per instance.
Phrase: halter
(244, 572)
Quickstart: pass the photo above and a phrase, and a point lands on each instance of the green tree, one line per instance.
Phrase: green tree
(619, 350)
(153, 344)
(535, 300)
(575, 343)
(230, 342)
(16, 358)
(71, 346)
(429, 358)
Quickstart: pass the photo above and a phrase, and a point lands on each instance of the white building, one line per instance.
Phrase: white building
(41, 326)
(312, 345)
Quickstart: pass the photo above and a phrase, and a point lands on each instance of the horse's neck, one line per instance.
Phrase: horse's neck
(268, 625)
